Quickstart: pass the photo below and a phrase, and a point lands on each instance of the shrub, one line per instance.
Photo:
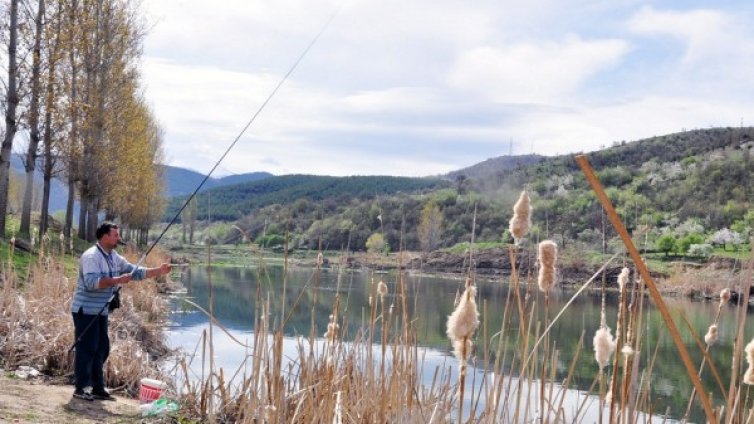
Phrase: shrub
(685, 243)
(270, 240)
(376, 244)
(666, 243)
(703, 250)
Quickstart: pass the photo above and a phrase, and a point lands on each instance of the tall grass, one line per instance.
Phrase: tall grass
(36, 327)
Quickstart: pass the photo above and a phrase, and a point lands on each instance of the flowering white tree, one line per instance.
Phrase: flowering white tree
(725, 236)
(690, 226)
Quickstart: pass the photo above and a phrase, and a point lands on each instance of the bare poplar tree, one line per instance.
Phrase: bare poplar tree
(30, 161)
(48, 164)
(10, 114)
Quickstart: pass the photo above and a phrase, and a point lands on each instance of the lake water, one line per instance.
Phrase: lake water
(430, 298)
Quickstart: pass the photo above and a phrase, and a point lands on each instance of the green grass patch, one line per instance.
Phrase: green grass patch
(742, 253)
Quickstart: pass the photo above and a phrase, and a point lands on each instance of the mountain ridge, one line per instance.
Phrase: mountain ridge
(180, 181)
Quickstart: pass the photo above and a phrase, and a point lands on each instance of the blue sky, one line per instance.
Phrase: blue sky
(426, 87)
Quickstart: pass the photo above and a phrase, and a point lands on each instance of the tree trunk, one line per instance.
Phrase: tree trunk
(83, 208)
(25, 227)
(10, 115)
(44, 215)
(31, 152)
(91, 224)
(68, 230)
(49, 161)
(72, 160)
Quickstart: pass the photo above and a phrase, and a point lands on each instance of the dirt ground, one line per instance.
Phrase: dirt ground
(36, 401)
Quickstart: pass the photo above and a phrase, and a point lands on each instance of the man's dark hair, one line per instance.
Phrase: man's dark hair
(105, 228)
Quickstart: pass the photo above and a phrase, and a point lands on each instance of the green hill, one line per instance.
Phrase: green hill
(701, 176)
(494, 165)
(232, 202)
(692, 188)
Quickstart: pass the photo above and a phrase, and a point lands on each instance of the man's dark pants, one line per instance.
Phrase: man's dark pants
(91, 351)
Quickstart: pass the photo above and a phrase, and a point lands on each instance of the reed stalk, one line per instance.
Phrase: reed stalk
(649, 281)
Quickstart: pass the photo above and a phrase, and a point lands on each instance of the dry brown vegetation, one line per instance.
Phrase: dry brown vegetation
(699, 281)
(36, 328)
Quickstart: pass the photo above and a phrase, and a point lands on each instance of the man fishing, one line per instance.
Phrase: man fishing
(101, 271)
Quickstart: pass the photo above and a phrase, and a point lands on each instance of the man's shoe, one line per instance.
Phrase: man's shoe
(102, 395)
(80, 394)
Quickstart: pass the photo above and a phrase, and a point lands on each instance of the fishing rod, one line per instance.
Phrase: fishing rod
(206, 177)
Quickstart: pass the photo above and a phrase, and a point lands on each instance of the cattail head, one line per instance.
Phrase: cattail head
(521, 222)
(465, 318)
(462, 323)
(724, 296)
(604, 346)
(548, 256)
(332, 329)
(749, 375)
(623, 278)
(711, 337)
(382, 289)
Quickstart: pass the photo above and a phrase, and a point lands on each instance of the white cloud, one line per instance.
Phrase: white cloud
(541, 72)
(397, 99)
(716, 51)
(417, 88)
(588, 129)
(707, 33)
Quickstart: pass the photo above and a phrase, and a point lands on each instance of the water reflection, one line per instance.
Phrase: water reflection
(310, 297)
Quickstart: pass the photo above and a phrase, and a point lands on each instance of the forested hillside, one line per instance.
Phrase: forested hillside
(235, 201)
(692, 184)
(494, 165)
(679, 193)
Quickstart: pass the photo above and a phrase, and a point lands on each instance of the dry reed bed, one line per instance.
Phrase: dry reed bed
(377, 377)
(36, 327)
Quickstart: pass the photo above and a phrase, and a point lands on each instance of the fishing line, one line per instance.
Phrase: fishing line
(219, 161)
(238, 137)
